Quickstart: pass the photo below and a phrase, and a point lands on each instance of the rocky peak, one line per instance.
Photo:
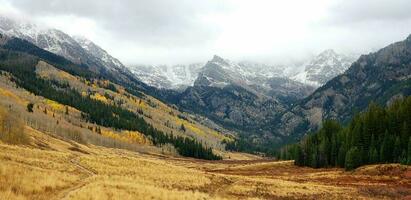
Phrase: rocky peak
(409, 38)
(3, 39)
(328, 53)
(218, 59)
(322, 68)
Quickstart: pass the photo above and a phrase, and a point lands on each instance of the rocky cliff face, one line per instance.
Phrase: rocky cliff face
(237, 97)
(378, 77)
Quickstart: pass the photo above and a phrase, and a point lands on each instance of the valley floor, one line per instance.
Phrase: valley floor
(50, 168)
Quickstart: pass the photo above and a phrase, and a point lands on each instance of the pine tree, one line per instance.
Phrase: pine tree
(183, 128)
(379, 135)
(373, 153)
(334, 150)
(385, 148)
(299, 157)
(396, 153)
(353, 159)
(341, 156)
(373, 156)
(409, 152)
(30, 107)
(314, 161)
(404, 135)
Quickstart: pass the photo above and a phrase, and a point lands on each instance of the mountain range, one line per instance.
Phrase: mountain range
(266, 105)
(315, 72)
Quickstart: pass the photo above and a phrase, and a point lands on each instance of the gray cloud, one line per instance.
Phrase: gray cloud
(352, 11)
(151, 22)
(181, 31)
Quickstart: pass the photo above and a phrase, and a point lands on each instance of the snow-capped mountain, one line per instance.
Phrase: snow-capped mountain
(51, 40)
(180, 76)
(167, 76)
(323, 68)
(241, 95)
(220, 71)
(260, 79)
(76, 49)
(106, 59)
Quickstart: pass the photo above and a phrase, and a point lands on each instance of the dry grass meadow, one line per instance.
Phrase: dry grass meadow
(50, 168)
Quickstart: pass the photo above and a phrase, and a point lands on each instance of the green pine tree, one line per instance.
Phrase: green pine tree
(353, 159)
(396, 153)
(409, 152)
(30, 107)
(373, 156)
(385, 148)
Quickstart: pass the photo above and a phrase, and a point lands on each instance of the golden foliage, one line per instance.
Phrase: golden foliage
(55, 105)
(46, 70)
(135, 137)
(154, 111)
(99, 97)
(132, 137)
(6, 93)
(12, 128)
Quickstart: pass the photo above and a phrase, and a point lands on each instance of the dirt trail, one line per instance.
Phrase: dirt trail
(81, 183)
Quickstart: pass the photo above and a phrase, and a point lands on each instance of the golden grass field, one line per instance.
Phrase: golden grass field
(50, 168)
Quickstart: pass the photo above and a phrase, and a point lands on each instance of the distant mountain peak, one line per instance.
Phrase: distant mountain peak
(328, 52)
(323, 67)
(218, 59)
(331, 51)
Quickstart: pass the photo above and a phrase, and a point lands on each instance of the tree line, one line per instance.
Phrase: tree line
(378, 135)
(22, 66)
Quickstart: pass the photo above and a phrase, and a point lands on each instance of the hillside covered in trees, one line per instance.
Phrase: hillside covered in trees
(19, 58)
(379, 135)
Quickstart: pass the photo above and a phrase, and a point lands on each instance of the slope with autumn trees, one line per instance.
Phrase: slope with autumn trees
(103, 103)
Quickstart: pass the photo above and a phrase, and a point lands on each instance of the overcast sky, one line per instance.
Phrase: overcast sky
(184, 31)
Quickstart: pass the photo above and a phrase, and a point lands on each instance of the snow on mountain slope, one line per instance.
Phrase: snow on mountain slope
(323, 68)
(109, 61)
(78, 50)
(242, 72)
(166, 76)
(259, 79)
(178, 76)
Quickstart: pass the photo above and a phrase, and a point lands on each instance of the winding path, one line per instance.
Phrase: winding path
(65, 194)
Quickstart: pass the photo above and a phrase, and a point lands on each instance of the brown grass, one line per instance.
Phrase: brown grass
(66, 170)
